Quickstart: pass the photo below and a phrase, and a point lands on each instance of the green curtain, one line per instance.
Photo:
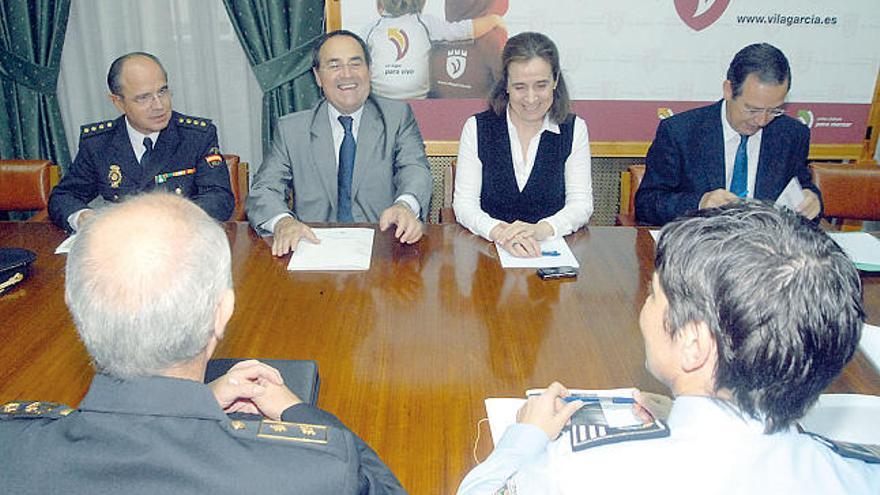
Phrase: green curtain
(31, 38)
(277, 36)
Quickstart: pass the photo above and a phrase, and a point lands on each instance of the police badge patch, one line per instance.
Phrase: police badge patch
(115, 176)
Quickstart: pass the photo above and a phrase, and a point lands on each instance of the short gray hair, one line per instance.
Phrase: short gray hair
(143, 282)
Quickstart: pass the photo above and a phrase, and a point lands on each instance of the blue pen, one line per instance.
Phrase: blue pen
(549, 253)
(614, 400)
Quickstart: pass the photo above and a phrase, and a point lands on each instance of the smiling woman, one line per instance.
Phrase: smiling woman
(523, 171)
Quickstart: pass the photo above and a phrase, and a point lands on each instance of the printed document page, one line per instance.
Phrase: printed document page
(340, 249)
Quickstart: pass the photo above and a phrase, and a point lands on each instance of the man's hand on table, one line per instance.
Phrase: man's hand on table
(548, 411)
(409, 228)
(288, 232)
(718, 197)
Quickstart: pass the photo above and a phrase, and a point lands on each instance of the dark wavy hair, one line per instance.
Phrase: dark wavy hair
(521, 48)
(763, 60)
(316, 50)
(784, 303)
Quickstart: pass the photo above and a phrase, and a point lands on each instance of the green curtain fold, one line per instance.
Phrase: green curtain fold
(277, 37)
(31, 38)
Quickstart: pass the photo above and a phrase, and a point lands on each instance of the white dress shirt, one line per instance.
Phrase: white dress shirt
(578, 182)
(338, 135)
(711, 450)
(731, 143)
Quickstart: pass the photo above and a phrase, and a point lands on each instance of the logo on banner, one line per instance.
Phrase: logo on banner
(400, 40)
(456, 61)
(700, 14)
(806, 117)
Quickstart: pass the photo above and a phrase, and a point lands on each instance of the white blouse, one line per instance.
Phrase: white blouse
(578, 182)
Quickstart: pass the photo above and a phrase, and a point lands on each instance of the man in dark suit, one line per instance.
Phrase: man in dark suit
(148, 147)
(354, 157)
(149, 285)
(740, 147)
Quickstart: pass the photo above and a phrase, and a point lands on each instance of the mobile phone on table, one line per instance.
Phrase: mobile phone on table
(552, 272)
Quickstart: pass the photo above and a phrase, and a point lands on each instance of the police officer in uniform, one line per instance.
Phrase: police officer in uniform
(149, 147)
(150, 317)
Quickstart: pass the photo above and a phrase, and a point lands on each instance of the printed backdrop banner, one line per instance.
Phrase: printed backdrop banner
(631, 62)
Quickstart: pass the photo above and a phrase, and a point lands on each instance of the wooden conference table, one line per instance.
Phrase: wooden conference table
(408, 350)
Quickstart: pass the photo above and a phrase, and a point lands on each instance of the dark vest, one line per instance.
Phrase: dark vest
(544, 193)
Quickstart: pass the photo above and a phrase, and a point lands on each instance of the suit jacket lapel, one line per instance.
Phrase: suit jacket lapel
(712, 142)
(122, 155)
(770, 143)
(369, 141)
(324, 153)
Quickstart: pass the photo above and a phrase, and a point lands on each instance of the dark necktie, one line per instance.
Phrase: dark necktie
(145, 158)
(739, 181)
(346, 168)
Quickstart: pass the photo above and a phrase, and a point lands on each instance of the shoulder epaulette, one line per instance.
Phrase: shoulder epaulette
(199, 123)
(27, 409)
(863, 452)
(95, 128)
(281, 431)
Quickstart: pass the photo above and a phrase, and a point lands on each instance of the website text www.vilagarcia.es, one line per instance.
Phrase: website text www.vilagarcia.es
(788, 20)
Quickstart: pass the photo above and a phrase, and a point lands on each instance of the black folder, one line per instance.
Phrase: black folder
(300, 376)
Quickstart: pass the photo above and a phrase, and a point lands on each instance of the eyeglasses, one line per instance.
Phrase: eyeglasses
(336, 66)
(772, 112)
(147, 99)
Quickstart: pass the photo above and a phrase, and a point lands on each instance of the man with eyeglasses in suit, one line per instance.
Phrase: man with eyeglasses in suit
(148, 147)
(743, 146)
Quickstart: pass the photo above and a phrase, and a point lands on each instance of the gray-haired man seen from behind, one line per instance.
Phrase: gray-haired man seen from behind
(149, 286)
(752, 313)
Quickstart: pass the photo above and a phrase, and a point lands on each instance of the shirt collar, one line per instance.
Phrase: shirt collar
(136, 138)
(728, 131)
(335, 114)
(694, 415)
(547, 125)
(152, 396)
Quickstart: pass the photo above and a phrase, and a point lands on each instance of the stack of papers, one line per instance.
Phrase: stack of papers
(340, 249)
(861, 247)
(561, 256)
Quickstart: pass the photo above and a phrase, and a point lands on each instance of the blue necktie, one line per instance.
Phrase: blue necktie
(346, 168)
(145, 158)
(739, 181)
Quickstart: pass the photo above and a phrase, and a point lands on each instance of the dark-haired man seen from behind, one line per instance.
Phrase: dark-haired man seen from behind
(149, 147)
(353, 157)
(752, 312)
(743, 146)
(149, 285)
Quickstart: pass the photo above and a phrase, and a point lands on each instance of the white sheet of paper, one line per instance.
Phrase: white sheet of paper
(340, 249)
(65, 246)
(565, 258)
(862, 247)
(870, 344)
(792, 196)
(502, 413)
